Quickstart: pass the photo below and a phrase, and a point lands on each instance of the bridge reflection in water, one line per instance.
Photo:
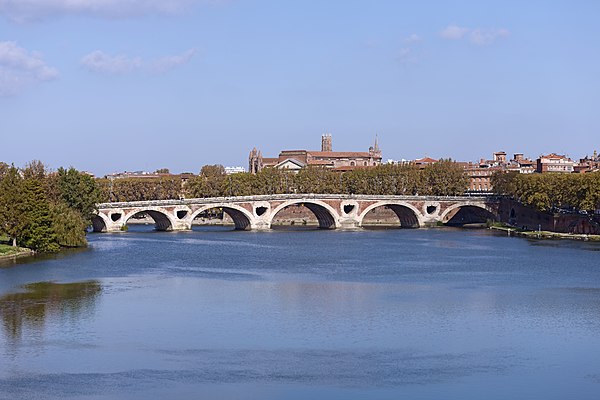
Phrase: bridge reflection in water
(332, 211)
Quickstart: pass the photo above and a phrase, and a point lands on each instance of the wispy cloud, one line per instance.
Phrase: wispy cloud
(26, 10)
(98, 61)
(413, 38)
(454, 32)
(166, 63)
(20, 68)
(478, 36)
(484, 37)
(405, 55)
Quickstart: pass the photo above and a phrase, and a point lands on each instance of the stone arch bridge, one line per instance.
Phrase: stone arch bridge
(333, 211)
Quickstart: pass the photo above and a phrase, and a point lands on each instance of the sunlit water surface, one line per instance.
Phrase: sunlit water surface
(384, 314)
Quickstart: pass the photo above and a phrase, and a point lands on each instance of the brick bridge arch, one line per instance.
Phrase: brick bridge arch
(481, 210)
(163, 221)
(408, 215)
(326, 215)
(241, 217)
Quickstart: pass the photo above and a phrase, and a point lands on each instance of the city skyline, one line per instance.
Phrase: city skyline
(111, 86)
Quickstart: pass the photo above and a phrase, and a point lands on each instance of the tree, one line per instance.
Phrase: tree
(68, 225)
(79, 191)
(162, 171)
(444, 178)
(215, 170)
(503, 183)
(36, 232)
(11, 203)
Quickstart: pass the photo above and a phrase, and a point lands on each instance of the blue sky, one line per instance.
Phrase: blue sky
(112, 85)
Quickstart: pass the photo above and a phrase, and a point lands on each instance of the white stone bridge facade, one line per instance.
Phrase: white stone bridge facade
(333, 211)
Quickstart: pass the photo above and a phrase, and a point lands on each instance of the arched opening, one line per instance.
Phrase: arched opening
(225, 217)
(303, 215)
(149, 220)
(468, 215)
(390, 216)
(98, 224)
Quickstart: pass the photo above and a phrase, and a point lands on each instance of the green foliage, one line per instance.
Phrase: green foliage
(137, 189)
(552, 190)
(504, 182)
(444, 178)
(44, 211)
(79, 191)
(36, 232)
(209, 171)
(11, 203)
(68, 226)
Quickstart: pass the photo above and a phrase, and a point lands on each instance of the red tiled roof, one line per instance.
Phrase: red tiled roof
(269, 161)
(554, 155)
(319, 162)
(340, 154)
(425, 160)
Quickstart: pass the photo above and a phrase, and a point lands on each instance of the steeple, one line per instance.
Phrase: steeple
(326, 142)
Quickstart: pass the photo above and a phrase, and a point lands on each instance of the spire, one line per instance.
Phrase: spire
(376, 147)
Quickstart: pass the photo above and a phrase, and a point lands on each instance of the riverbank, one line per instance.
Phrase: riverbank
(512, 231)
(8, 252)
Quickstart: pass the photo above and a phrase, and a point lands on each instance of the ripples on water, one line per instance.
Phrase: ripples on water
(438, 313)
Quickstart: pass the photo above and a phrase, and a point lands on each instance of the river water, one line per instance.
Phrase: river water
(382, 314)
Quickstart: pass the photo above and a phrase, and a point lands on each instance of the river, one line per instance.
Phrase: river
(306, 314)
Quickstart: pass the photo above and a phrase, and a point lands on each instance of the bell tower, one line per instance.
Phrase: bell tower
(326, 144)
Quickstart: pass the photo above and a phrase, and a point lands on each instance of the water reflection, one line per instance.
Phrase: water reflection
(45, 300)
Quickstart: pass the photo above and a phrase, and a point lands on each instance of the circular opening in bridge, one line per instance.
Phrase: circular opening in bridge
(115, 216)
(181, 214)
(390, 216)
(261, 210)
(348, 208)
(431, 209)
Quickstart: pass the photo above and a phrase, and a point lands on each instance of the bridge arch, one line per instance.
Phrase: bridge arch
(408, 215)
(100, 222)
(240, 216)
(163, 221)
(326, 215)
(461, 214)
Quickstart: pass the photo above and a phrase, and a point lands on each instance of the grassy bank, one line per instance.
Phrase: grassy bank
(7, 251)
(512, 231)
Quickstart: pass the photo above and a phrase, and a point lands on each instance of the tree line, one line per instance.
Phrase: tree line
(445, 178)
(551, 191)
(44, 210)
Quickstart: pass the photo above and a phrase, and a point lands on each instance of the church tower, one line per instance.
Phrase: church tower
(326, 142)
(374, 150)
(255, 162)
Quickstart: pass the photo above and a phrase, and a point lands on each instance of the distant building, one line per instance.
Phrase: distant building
(480, 174)
(295, 160)
(554, 163)
(424, 162)
(234, 170)
(588, 164)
